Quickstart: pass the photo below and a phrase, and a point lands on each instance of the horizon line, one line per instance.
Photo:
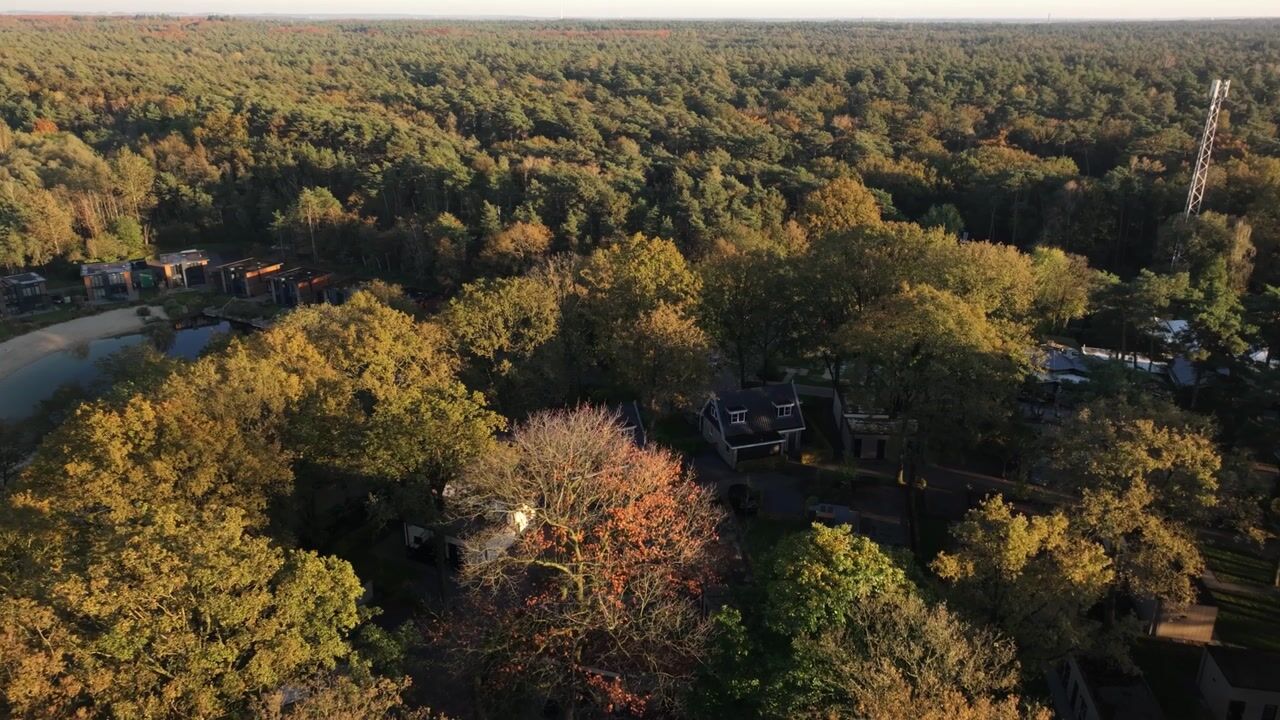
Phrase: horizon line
(623, 18)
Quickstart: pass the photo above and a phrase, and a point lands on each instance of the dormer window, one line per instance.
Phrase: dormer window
(785, 411)
(738, 416)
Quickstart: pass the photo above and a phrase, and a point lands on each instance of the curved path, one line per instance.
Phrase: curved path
(25, 349)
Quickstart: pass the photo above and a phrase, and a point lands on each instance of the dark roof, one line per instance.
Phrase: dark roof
(248, 264)
(1244, 668)
(873, 423)
(299, 274)
(25, 278)
(629, 414)
(1064, 360)
(761, 403)
(1182, 372)
(183, 256)
(95, 268)
(1118, 695)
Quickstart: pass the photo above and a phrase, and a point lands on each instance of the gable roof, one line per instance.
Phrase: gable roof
(1244, 668)
(761, 404)
(1064, 360)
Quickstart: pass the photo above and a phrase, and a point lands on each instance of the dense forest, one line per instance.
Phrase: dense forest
(432, 137)
(600, 213)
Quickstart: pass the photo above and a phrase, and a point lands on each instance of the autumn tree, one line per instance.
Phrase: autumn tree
(840, 631)
(663, 358)
(159, 611)
(515, 248)
(1064, 285)
(844, 274)
(941, 367)
(387, 402)
(748, 307)
(135, 179)
(839, 206)
(622, 288)
(1032, 577)
(997, 279)
(315, 209)
(341, 697)
(1147, 473)
(595, 600)
(498, 324)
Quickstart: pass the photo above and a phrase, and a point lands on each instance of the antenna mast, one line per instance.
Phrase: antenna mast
(1201, 175)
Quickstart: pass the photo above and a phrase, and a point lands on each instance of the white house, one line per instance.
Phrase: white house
(1240, 684)
(471, 541)
(754, 423)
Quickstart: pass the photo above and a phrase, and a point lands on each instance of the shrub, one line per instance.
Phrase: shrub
(144, 311)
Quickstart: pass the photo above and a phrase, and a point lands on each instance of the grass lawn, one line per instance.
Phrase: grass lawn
(1170, 669)
(1233, 564)
(1248, 620)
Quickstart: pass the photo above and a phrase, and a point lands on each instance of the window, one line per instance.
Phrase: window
(784, 411)
(1269, 712)
(1235, 710)
(737, 416)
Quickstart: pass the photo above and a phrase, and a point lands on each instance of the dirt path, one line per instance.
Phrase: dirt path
(23, 350)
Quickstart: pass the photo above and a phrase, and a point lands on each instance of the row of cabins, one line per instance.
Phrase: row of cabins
(122, 281)
(108, 281)
(247, 278)
(289, 287)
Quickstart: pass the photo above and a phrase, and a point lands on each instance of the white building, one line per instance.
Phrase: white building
(1240, 684)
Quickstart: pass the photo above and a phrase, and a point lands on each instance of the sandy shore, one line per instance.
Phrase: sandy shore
(25, 349)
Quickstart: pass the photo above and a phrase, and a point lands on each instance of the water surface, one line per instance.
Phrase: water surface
(26, 388)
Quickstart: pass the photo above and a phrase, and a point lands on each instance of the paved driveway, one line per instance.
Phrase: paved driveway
(782, 496)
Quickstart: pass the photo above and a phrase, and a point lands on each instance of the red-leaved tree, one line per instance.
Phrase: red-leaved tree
(594, 603)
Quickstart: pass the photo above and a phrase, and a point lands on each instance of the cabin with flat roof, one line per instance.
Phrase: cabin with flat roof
(245, 278)
(23, 293)
(185, 268)
(108, 281)
(299, 286)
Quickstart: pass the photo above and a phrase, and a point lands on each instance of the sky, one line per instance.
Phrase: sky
(674, 9)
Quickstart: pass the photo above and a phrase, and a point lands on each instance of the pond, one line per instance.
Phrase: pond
(23, 391)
